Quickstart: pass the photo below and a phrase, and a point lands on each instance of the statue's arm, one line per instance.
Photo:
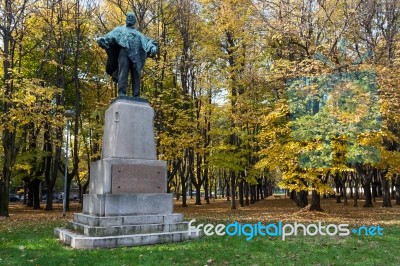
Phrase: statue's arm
(109, 39)
(153, 47)
(103, 42)
(149, 45)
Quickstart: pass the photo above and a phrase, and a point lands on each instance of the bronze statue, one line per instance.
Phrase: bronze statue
(127, 50)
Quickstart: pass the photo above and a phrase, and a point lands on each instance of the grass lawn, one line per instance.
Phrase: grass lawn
(35, 245)
(26, 238)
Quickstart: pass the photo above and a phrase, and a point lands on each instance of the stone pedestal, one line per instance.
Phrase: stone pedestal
(128, 131)
(117, 175)
(127, 204)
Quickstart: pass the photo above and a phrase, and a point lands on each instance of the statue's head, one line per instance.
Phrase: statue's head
(130, 19)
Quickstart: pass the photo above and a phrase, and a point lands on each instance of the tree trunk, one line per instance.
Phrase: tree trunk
(254, 190)
(257, 193)
(260, 191)
(293, 195)
(315, 201)
(246, 188)
(252, 194)
(190, 189)
(82, 187)
(374, 191)
(30, 195)
(198, 195)
(379, 188)
(356, 192)
(393, 179)
(183, 184)
(367, 194)
(385, 192)
(8, 163)
(351, 189)
(338, 188)
(222, 185)
(8, 137)
(206, 189)
(233, 192)
(397, 186)
(366, 173)
(68, 190)
(301, 199)
(197, 182)
(228, 191)
(78, 99)
(241, 200)
(49, 199)
(216, 189)
(36, 193)
(25, 193)
(47, 167)
(344, 193)
(84, 190)
(337, 196)
(176, 192)
(4, 197)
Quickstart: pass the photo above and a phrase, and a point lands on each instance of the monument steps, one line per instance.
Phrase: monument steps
(93, 220)
(126, 229)
(79, 241)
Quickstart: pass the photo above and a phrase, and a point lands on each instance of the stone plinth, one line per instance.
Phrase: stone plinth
(128, 176)
(128, 166)
(127, 204)
(128, 131)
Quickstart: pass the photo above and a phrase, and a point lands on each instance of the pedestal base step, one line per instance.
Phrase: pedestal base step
(93, 220)
(126, 229)
(91, 231)
(85, 242)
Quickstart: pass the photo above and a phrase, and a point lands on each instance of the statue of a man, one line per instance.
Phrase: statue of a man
(127, 50)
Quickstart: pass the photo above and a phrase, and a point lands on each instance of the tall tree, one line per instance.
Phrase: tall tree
(13, 17)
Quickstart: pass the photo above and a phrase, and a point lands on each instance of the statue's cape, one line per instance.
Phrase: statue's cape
(112, 62)
(137, 45)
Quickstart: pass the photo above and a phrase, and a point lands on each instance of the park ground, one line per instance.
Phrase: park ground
(26, 238)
